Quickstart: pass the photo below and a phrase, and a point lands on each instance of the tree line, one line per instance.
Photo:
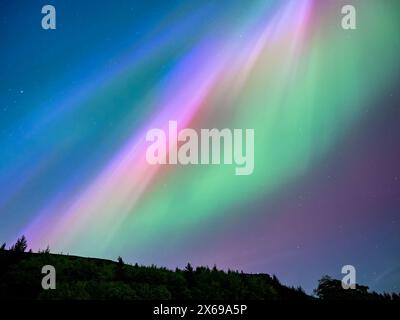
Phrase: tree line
(90, 278)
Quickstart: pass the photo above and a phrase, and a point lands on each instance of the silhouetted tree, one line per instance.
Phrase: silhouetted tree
(331, 289)
(189, 268)
(86, 278)
(3, 246)
(189, 274)
(20, 245)
(120, 271)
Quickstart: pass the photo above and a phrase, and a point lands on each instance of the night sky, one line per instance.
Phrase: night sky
(76, 103)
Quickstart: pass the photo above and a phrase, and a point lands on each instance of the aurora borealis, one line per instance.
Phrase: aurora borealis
(76, 103)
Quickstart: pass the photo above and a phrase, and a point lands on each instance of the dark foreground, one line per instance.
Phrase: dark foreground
(79, 278)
